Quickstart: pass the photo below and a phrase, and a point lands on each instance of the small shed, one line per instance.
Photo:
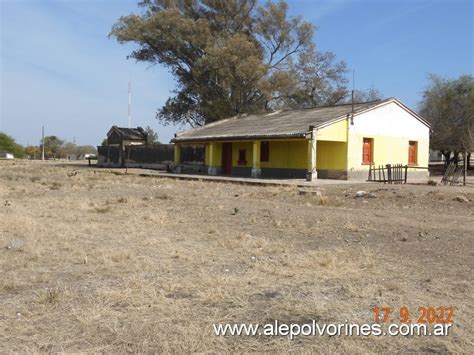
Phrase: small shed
(129, 147)
(126, 136)
(120, 140)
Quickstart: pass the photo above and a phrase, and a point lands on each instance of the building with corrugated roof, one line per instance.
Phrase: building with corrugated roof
(336, 142)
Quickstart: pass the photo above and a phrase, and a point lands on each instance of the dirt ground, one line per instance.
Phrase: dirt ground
(97, 261)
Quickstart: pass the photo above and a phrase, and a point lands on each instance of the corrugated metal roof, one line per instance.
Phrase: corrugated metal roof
(287, 123)
(130, 133)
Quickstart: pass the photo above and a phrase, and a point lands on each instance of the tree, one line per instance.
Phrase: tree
(152, 136)
(371, 94)
(8, 145)
(52, 145)
(86, 149)
(32, 152)
(449, 106)
(69, 149)
(232, 57)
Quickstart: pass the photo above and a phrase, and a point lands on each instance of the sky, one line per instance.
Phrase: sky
(59, 69)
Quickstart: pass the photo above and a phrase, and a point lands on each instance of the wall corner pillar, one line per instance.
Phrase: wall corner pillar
(177, 153)
(212, 169)
(312, 174)
(177, 158)
(256, 172)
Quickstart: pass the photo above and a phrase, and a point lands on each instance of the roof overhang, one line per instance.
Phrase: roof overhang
(113, 128)
(125, 136)
(297, 135)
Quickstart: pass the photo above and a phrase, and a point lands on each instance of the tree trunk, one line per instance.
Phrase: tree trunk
(456, 158)
(465, 168)
(447, 158)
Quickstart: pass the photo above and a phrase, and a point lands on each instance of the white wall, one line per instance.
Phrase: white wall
(391, 127)
(390, 120)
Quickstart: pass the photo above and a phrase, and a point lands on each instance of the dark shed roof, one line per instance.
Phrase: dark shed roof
(129, 133)
(279, 124)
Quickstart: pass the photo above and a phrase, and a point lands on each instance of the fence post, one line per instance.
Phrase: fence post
(406, 173)
(389, 173)
(465, 169)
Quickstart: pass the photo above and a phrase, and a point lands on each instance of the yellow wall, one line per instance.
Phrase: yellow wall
(217, 154)
(291, 154)
(336, 132)
(206, 154)
(236, 146)
(331, 155)
(283, 154)
(386, 150)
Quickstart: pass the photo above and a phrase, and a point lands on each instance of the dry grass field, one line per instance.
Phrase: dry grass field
(105, 262)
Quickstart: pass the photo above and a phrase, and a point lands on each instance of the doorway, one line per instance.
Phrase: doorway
(226, 158)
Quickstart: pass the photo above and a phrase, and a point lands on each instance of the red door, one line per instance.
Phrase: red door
(412, 153)
(227, 158)
(367, 151)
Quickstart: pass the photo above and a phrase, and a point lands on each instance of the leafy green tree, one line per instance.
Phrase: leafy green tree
(52, 146)
(32, 152)
(449, 105)
(71, 149)
(86, 149)
(232, 57)
(8, 145)
(67, 149)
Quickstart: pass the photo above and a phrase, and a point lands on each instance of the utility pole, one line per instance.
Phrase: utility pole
(42, 142)
(352, 97)
(129, 104)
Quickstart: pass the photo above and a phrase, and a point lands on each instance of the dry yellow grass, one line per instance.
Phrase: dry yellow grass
(121, 263)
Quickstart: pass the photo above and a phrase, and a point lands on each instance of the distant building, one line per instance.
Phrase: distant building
(436, 156)
(5, 155)
(128, 147)
(119, 138)
(126, 136)
(334, 142)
